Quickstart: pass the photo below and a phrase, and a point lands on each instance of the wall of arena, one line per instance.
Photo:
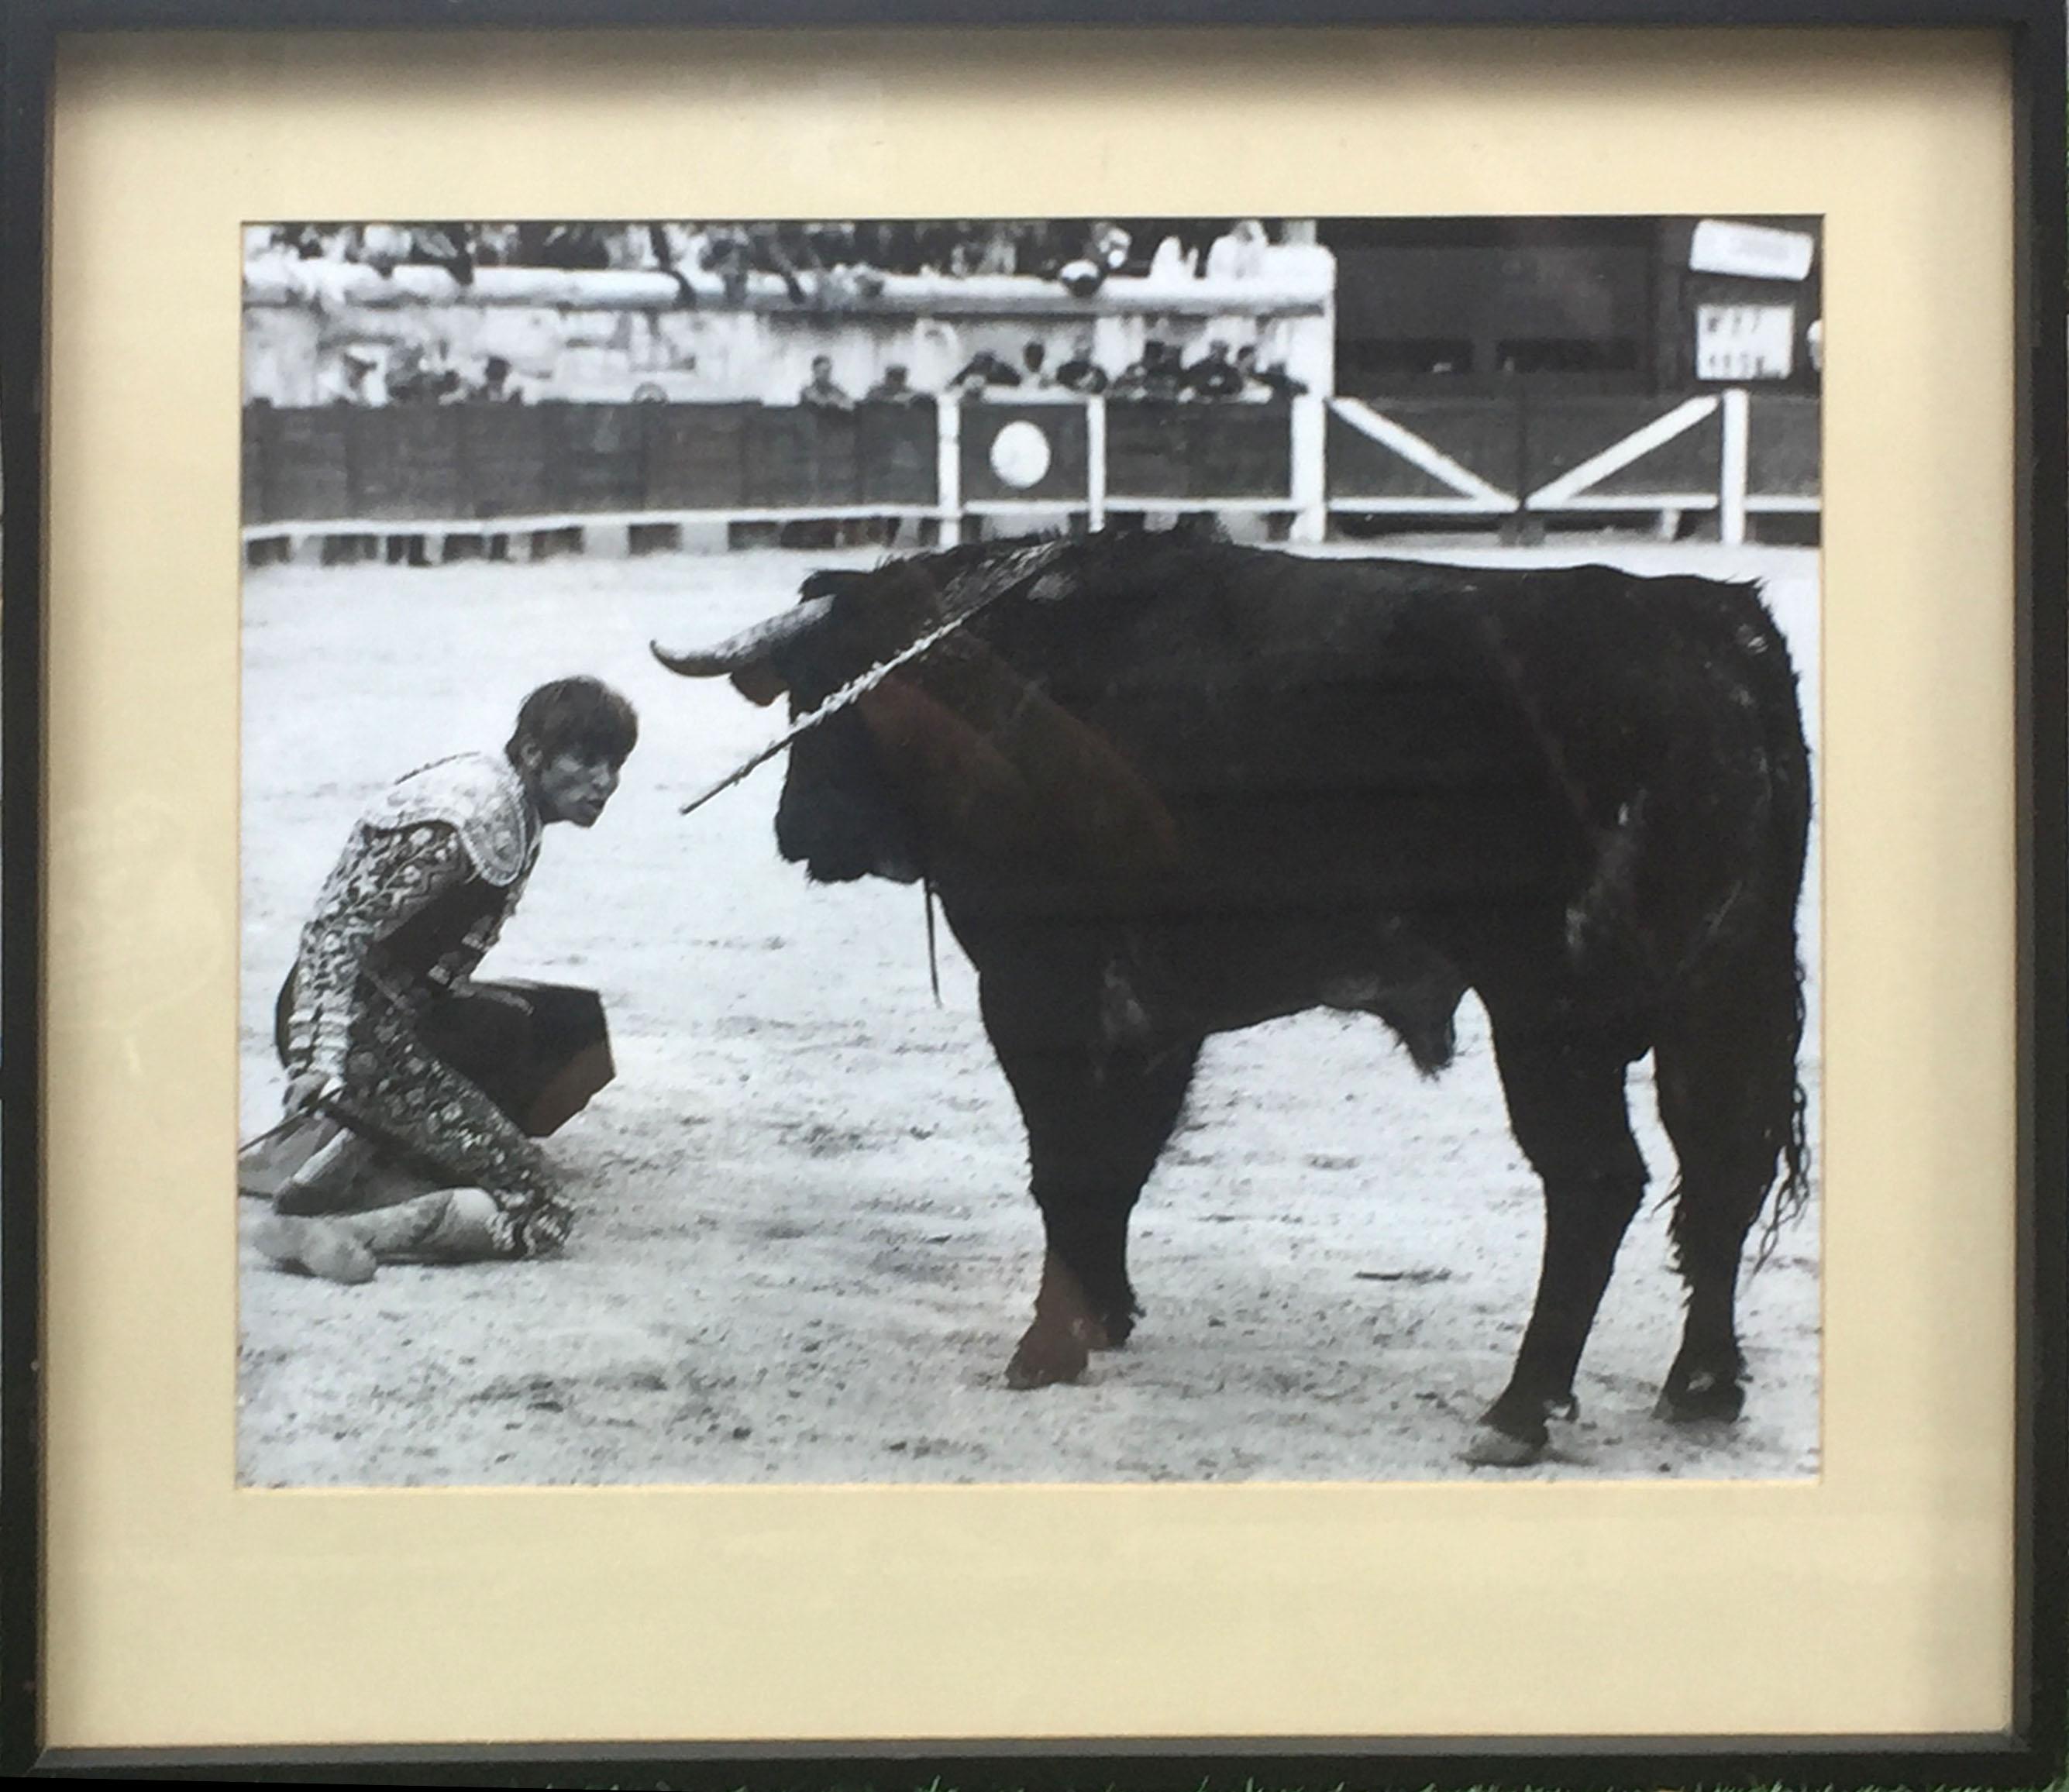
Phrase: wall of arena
(593, 336)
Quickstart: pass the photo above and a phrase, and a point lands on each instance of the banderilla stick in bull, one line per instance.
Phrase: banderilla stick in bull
(860, 687)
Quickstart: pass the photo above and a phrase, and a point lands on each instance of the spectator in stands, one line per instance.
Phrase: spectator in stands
(1165, 377)
(983, 371)
(823, 392)
(561, 246)
(789, 248)
(832, 246)
(1081, 277)
(496, 245)
(304, 241)
(386, 247)
(1110, 246)
(934, 245)
(678, 245)
(1032, 359)
(497, 384)
(1241, 255)
(355, 379)
(1213, 376)
(895, 388)
(342, 244)
(889, 245)
(415, 1094)
(1275, 380)
(1044, 245)
(982, 249)
(417, 375)
(382, 247)
(1173, 262)
(843, 288)
(1159, 375)
(725, 253)
(734, 254)
(633, 248)
(1081, 373)
(448, 245)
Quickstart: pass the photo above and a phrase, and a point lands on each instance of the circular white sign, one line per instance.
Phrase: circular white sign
(1020, 455)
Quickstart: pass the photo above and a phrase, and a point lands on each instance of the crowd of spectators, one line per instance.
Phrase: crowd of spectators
(407, 373)
(1162, 373)
(820, 266)
(817, 263)
(374, 374)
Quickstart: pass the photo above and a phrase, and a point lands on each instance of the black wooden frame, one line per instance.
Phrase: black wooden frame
(2031, 1752)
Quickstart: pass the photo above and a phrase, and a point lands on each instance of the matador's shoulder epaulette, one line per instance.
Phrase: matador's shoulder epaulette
(481, 797)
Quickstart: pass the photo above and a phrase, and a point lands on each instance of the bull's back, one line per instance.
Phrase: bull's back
(1408, 737)
(1323, 732)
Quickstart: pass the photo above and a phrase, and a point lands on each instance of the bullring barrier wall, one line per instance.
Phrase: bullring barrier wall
(456, 466)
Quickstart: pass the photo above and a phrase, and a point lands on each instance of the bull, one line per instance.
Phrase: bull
(1166, 787)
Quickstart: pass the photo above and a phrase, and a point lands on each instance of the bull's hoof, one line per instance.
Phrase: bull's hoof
(1112, 1334)
(1490, 1448)
(1513, 1433)
(1045, 1356)
(1705, 1396)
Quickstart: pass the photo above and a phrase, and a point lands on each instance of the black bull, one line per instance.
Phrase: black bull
(1166, 788)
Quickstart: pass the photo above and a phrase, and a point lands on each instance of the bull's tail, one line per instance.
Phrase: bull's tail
(1733, 1097)
(1788, 759)
(1738, 1090)
(1790, 1194)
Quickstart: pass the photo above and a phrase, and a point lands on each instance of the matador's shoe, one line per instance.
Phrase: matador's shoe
(449, 1225)
(314, 1247)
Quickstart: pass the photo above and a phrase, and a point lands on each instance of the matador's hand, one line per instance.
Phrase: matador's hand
(305, 1091)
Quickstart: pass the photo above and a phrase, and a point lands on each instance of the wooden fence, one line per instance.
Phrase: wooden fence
(476, 468)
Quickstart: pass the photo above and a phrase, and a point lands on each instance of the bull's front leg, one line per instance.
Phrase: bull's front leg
(1096, 1119)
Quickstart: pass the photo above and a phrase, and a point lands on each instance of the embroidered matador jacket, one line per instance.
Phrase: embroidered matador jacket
(431, 871)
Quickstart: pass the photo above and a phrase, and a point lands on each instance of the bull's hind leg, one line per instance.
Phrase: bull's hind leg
(1566, 1092)
(1094, 1127)
(1727, 1099)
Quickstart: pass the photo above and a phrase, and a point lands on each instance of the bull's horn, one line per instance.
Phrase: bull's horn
(750, 645)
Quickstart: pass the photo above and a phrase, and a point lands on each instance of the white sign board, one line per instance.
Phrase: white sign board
(1757, 251)
(1744, 342)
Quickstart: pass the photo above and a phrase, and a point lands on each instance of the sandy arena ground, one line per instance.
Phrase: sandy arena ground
(805, 1247)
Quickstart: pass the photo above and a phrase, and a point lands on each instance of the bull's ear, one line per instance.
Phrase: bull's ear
(759, 682)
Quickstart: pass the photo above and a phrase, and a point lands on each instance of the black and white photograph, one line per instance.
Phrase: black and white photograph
(1030, 850)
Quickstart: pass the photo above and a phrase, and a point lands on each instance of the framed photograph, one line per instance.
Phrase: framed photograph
(1300, 1017)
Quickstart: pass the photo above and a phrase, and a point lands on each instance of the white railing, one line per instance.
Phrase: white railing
(1579, 489)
